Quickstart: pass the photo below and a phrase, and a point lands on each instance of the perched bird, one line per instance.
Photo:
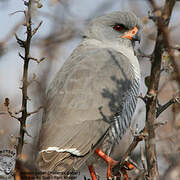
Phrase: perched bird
(93, 96)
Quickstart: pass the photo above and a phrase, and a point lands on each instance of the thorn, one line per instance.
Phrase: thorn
(35, 29)
(21, 56)
(20, 42)
(35, 59)
(24, 129)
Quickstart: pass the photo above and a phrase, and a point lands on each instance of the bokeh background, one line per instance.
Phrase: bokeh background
(60, 33)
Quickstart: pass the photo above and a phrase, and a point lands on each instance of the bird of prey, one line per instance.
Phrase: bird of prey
(92, 98)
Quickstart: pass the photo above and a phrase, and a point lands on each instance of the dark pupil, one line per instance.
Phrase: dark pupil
(118, 27)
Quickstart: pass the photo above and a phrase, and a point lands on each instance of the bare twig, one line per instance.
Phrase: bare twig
(35, 59)
(21, 56)
(6, 104)
(20, 42)
(11, 114)
(35, 111)
(165, 106)
(35, 29)
(20, 11)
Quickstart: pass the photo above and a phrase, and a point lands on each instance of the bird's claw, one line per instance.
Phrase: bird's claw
(111, 163)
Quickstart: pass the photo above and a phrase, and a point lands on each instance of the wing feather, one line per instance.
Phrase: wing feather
(90, 79)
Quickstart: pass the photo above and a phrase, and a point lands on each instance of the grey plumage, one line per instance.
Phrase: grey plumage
(92, 98)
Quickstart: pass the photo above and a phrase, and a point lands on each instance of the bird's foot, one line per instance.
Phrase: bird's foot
(111, 163)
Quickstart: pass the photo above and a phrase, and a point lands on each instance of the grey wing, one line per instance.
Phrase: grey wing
(73, 122)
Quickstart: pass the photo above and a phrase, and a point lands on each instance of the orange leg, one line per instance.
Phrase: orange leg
(92, 173)
(111, 163)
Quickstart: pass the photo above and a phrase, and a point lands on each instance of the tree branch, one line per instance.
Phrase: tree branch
(166, 105)
(26, 45)
(162, 40)
(35, 111)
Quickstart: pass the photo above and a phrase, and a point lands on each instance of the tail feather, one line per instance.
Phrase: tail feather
(55, 161)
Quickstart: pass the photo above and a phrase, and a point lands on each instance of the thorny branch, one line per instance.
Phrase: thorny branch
(162, 40)
(26, 57)
(26, 46)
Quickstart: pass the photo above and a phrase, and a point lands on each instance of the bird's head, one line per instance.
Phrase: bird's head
(123, 27)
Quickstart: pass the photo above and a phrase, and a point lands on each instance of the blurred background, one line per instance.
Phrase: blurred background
(60, 33)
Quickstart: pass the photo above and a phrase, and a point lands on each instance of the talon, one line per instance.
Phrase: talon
(128, 165)
(124, 172)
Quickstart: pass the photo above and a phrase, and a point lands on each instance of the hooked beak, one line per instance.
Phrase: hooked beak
(132, 34)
